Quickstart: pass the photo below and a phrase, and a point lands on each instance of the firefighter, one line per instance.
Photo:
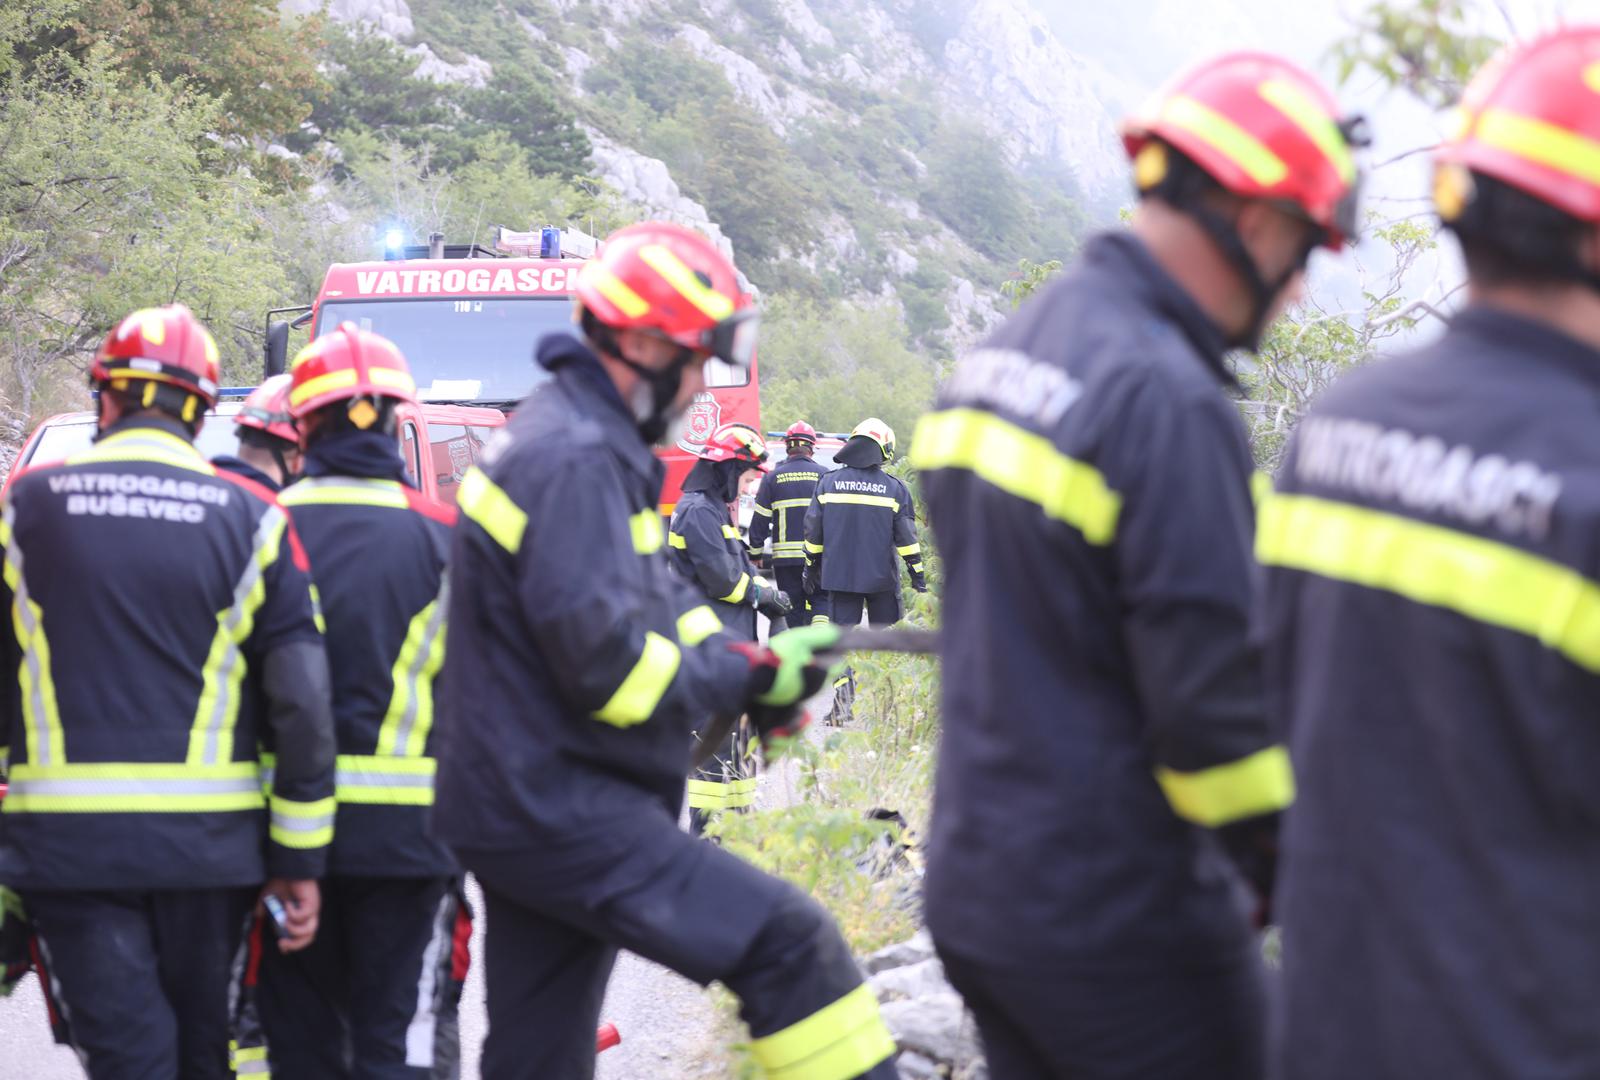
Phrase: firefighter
(353, 1003)
(1106, 745)
(1432, 582)
(780, 514)
(578, 664)
(269, 442)
(707, 551)
(145, 585)
(859, 520)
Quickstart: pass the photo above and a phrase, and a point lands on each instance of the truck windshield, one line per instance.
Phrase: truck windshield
(461, 349)
(474, 349)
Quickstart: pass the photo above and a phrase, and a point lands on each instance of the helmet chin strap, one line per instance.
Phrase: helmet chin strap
(655, 414)
(1263, 293)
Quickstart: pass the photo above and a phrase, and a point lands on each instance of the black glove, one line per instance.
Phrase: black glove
(808, 578)
(758, 559)
(771, 601)
(919, 583)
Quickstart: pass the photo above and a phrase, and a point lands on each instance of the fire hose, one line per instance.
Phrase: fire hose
(904, 640)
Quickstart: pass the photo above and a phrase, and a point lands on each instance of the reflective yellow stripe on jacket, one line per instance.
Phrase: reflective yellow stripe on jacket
(301, 825)
(485, 504)
(646, 683)
(1022, 464)
(122, 787)
(41, 719)
(836, 1042)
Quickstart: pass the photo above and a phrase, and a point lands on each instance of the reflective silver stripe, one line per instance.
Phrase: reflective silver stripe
(424, 1018)
(96, 785)
(786, 504)
(252, 1068)
(292, 823)
(234, 626)
(349, 490)
(347, 778)
(42, 749)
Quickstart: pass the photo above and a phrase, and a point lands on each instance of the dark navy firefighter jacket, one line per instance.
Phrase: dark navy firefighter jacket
(1089, 484)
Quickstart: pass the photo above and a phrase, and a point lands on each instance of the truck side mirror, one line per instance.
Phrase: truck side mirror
(277, 348)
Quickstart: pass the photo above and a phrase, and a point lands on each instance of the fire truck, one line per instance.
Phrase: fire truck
(467, 319)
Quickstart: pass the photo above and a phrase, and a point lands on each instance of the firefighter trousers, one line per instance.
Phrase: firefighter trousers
(725, 782)
(559, 912)
(141, 982)
(789, 577)
(364, 999)
(881, 608)
(1043, 1021)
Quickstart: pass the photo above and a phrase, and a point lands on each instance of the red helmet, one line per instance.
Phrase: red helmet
(669, 279)
(801, 432)
(348, 363)
(1260, 127)
(736, 442)
(164, 345)
(267, 409)
(1531, 119)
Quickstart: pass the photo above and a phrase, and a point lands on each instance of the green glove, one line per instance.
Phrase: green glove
(787, 671)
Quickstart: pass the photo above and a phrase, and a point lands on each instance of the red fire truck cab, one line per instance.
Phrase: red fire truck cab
(467, 319)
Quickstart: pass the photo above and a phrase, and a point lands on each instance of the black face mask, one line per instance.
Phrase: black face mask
(1263, 293)
(654, 416)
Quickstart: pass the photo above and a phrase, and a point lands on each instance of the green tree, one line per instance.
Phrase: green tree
(518, 103)
(1030, 276)
(1428, 47)
(971, 187)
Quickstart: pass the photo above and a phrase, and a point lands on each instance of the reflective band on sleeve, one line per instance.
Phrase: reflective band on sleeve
(211, 733)
(915, 568)
(731, 532)
(818, 619)
(908, 550)
(384, 781)
(636, 699)
(487, 505)
(41, 717)
(1022, 464)
(647, 531)
(133, 788)
(836, 497)
(1227, 138)
(676, 540)
(301, 825)
(697, 624)
(764, 511)
(790, 547)
(736, 595)
(1539, 141)
(345, 491)
(406, 724)
(248, 1060)
(1311, 118)
(837, 1042)
(1261, 783)
(1484, 580)
(676, 273)
(813, 549)
(707, 795)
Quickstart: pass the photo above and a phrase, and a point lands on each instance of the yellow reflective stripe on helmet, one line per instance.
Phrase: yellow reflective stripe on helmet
(1541, 142)
(614, 289)
(486, 504)
(908, 550)
(331, 380)
(409, 718)
(1020, 463)
(736, 594)
(858, 500)
(345, 491)
(1227, 138)
(41, 715)
(1483, 580)
(676, 540)
(301, 825)
(711, 303)
(217, 712)
(1311, 118)
(697, 624)
(648, 534)
(1260, 783)
(636, 699)
(376, 780)
(836, 1042)
(133, 788)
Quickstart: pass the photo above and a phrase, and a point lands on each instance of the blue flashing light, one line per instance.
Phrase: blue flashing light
(550, 243)
(394, 240)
